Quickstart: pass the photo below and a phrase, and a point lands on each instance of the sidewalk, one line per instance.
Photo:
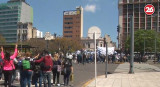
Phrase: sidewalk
(145, 75)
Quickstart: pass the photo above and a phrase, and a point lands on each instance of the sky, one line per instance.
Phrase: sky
(48, 15)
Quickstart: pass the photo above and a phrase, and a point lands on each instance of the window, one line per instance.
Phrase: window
(101, 45)
(88, 45)
(68, 22)
(130, 6)
(68, 18)
(25, 26)
(68, 27)
(67, 31)
(68, 36)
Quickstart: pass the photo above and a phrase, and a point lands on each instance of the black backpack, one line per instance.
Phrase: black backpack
(37, 68)
(67, 63)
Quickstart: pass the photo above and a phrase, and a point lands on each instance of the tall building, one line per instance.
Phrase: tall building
(73, 23)
(11, 13)
(141, 20)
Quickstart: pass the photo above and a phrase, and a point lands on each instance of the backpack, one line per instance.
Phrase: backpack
(67, 63)
(26, 64)
(37, 68)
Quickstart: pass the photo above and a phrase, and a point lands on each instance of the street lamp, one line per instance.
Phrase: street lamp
(131, 71)
(106, 69)
(156, 17)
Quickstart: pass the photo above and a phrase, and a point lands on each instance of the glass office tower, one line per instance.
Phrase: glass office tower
(11, 13)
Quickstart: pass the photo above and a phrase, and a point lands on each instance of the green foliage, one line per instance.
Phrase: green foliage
(147, 36)
(64, 45)
(57, 45)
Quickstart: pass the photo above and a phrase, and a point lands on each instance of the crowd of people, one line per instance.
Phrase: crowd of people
(39, 68)
(34, 70)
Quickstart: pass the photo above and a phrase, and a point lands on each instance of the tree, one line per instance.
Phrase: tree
(64, 45)
(38, 44)
(2, 40)
(147, 37)
(57, 45)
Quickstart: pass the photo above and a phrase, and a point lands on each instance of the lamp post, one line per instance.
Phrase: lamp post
(106, 69)
(95, 59)
(131, 71)
(155, 49)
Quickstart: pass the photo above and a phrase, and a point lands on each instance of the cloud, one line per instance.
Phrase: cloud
(90, 8)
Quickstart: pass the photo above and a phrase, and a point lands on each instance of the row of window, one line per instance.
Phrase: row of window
(7, 12)
(8, 31)
(67, 31)
(8, 8)
(10, 35)
(68, 27)
(24, 37)
(68, 18)
(23, 26)
(68, 36)
(68, 23)
(9, 19)
(9, 23)
(8, 16)
(8, 27)
(22, 31)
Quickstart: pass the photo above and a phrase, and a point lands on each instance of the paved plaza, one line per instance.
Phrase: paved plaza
(145, 76)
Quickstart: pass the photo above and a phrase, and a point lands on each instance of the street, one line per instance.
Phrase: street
(82, 73)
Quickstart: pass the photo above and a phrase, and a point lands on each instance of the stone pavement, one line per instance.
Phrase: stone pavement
(145, 75)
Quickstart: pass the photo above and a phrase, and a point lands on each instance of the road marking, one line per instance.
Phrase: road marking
(88, 82)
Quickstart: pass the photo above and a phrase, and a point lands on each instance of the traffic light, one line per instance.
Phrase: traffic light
(118, 28)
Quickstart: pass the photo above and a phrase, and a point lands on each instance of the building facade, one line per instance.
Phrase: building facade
(88, 42)
(11, 13)
(26, 31)
(73, 23)
(135, 8)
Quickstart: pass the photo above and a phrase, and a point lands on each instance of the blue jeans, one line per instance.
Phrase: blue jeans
(27, 78)
(47, 76)
(36, 77)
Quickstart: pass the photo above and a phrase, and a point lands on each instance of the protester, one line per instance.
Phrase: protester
(8, 65)
(37, 74)
(27, 65)
(21, 57)
(67, 69)
(15, 70)
(56, 69)
(47, 69)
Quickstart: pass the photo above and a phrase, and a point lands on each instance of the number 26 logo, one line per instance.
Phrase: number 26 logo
(149, 9)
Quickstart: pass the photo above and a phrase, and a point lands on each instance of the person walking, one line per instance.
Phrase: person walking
(47, 69)
(8, 65)
(67, 69)
(56, 69)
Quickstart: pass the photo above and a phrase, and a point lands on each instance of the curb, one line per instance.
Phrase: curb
(89, 81)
